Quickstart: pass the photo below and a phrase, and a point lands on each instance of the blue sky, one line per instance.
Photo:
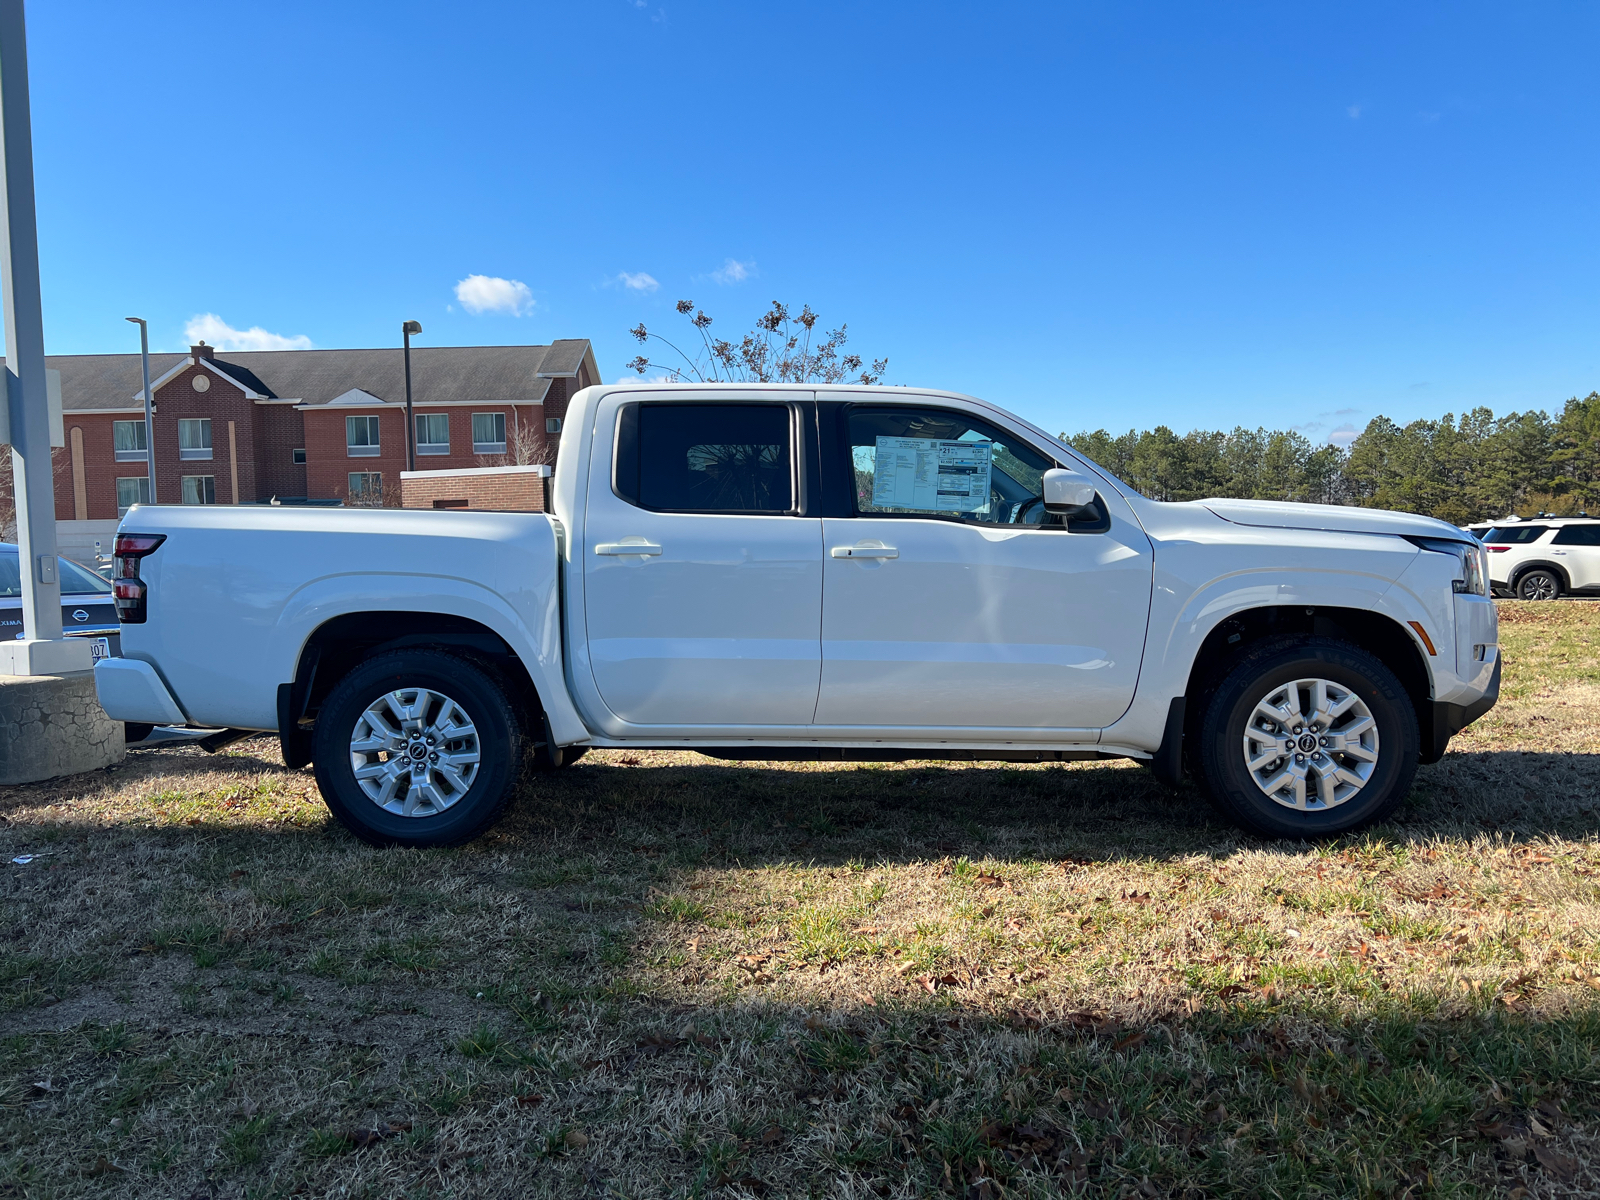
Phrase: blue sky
(1095, 214)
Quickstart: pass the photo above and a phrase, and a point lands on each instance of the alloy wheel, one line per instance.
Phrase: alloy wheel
(1537, 586)
(414, 752)
(1311, 744)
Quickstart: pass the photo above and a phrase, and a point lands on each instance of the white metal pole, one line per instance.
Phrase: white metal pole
(34, 481)
(149, 410)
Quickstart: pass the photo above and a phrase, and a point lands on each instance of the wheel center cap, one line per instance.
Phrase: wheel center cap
(418, 751)
(1308, 743)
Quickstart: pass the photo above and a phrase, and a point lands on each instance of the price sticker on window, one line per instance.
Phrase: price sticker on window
(931, 474)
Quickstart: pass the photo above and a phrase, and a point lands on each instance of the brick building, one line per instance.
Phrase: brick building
(320, 425)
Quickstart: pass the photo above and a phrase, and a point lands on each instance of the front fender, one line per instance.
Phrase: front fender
(1191, 597)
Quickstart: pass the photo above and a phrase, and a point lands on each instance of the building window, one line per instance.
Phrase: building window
(361, 437)
(128, 439)
(132, 491)
(433, 434)
(194, 438)
(299, 457)
(488, 433)
(366, 488)
(200, 489)
(552, 424)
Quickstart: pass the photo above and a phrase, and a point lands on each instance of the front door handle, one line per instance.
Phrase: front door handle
(865, 550)
(628, 547)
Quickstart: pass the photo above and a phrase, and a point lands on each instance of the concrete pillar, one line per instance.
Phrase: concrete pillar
(53, 725)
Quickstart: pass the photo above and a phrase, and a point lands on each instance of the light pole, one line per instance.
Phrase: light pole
(42, 649)
(406, 331)
(149, 409)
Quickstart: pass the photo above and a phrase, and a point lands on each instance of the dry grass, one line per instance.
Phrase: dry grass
(665, 976)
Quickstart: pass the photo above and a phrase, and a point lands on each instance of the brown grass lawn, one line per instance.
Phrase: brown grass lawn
(666, 976)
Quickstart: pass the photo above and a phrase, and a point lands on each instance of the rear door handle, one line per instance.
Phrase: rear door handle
(639, 547)
(879, 551)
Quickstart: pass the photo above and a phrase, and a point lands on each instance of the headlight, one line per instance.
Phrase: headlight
(1473, 576)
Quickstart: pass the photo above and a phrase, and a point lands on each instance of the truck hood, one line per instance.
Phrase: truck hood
(1334, 518)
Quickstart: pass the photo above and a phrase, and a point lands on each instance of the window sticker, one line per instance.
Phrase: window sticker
(931, 474)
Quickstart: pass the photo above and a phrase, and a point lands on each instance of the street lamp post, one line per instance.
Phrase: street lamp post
(149, 408)
(42, 650)
(406, 331)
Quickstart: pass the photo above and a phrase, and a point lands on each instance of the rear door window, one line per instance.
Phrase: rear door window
(706, 458)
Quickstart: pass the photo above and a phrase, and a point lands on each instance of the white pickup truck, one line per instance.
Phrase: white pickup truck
(788, 572)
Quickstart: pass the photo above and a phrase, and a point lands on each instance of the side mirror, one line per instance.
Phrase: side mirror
(1067, 492)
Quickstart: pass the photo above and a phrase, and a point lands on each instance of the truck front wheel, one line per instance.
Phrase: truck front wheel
(417, 748)
(1307, 738)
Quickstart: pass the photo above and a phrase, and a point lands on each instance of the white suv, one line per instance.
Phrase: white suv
(1542, 559)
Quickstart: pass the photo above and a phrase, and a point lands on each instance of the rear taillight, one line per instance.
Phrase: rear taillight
(127, 588)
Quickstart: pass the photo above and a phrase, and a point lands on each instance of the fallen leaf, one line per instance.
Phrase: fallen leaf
(988, 880)
(529, 1099)
(104, 1166)
(238, 875)
(772, 1135)
(1132, 1041)
(1560, 1165)
(575, 1139)
(929, 984)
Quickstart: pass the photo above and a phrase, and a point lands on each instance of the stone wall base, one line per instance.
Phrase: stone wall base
(53, 725)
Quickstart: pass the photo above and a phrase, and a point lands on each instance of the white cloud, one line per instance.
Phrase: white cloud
(1354, 111)
(214, 331)
(637, 281)
(733, 271)
(634, 379)
(491, 294)
(1344, 435)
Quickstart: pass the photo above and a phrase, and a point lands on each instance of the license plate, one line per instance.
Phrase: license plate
(99, 648)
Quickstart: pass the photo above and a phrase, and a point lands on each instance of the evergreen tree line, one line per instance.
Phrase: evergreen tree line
(1477, 468)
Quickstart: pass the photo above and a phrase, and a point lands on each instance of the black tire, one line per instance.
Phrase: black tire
(135, 731)
(479, 697)
(1220, 752)
(1539, 584)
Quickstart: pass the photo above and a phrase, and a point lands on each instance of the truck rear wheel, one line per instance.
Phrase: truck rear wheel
(417, 748)
(1307, 738)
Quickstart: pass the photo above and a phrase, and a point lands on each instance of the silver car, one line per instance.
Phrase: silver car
(86, 605)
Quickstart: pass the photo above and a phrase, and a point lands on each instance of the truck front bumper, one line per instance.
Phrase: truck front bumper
(1451, 719)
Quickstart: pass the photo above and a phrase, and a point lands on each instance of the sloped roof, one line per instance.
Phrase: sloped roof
(439, 374)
